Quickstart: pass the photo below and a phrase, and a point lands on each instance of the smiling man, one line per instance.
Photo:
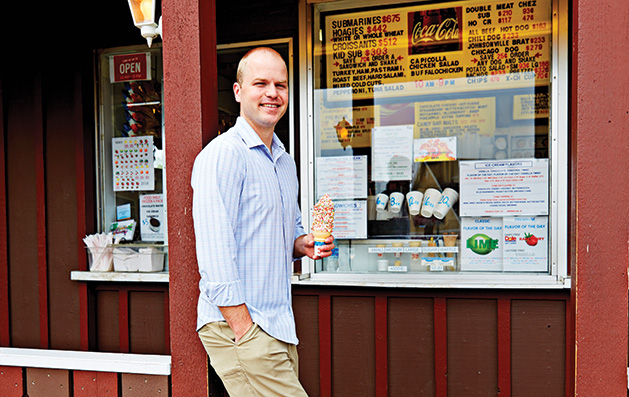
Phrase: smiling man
(248, 231)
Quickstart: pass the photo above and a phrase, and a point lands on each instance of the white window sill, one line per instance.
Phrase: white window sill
(148, 364)
(158, 277)
(428, 280)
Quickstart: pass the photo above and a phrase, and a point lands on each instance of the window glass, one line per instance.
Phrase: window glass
(131, 163)
(432, 136)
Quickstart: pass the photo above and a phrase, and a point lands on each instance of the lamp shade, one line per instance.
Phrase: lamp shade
(143, 12)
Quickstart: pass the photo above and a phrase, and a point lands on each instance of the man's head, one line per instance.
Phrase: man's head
(262, 88)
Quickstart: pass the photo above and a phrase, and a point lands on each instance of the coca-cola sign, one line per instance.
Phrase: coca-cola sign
(433, 31)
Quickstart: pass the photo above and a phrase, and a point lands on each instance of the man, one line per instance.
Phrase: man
(248, 232)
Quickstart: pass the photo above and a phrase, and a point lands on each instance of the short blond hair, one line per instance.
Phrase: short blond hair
(242, 65)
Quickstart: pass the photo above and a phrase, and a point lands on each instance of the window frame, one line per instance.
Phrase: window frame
(557, 277)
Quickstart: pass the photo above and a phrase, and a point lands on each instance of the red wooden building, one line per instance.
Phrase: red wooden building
(64, 332)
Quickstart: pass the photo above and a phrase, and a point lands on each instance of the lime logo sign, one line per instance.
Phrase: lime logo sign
(481, 244)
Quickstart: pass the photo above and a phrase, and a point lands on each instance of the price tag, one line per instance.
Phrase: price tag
(398, 269)
(436, 267)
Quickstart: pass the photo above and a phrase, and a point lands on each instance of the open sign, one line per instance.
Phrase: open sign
(130, 67)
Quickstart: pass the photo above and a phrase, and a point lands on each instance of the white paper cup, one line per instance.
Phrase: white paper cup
(447, 200)
(414, 201)
(397, 199)
(383, 265)
(381, 202)
(431, 198)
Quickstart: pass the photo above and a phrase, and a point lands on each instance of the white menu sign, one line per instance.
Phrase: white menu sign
(525, 244)
(152, 217)
(392, 149)
(504, 187)
(342, 177)
(481, 244)
(350, 219)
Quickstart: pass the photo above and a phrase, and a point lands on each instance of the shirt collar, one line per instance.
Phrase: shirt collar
(252, 139)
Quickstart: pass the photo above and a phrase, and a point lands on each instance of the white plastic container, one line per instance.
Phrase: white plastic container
(140, 258)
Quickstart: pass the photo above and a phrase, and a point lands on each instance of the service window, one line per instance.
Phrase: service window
(130, 157)
(432, 134)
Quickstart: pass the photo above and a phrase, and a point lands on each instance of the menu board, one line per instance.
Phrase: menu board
(395, 50)
(507, 187)
(342, 177)
(132, 161)
(350, 219)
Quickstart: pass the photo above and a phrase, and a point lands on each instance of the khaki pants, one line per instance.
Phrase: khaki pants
(258, 365)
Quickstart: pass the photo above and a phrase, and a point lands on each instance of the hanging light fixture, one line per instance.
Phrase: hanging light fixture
(143, 13)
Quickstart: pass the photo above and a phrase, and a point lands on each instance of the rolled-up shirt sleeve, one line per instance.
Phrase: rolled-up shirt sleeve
(217, 181)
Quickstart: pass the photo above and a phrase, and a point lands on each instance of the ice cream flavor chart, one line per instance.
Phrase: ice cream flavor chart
(132, 161)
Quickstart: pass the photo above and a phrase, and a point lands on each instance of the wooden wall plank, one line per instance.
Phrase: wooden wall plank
(107, 329)
(472, 347)
(123, 319)
(504, 346)
(22, 119)
(134, 385)
(325, 344)
(411, 350)
(11, 382)
(353, 346)
(381, 346)
(306, 309)
(5, 334)
(44, 382)
(93, 383)
(62, 107)
(538, 330)
(42, 242)
(441, 347)
(146, 316)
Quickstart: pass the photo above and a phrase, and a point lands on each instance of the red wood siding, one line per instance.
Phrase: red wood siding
(5, 319)
(11, 382)
(23, 118)
(411, 347)
(90, 383)
(43, 382)
(132, 318)
(433, 342)
(600, 166)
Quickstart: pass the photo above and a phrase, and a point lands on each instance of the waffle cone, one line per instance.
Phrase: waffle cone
(321, 235)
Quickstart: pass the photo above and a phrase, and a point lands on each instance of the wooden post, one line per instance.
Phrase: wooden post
(600, 121)
(190, 121)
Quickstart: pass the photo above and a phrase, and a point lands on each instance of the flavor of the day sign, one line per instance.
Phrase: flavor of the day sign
(481, 244)
(462, 43)
(525, 243)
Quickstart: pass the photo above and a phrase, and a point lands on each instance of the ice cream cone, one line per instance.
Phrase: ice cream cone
(449, 240)
(322, 222)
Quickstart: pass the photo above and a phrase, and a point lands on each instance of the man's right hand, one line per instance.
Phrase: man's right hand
(238, 319)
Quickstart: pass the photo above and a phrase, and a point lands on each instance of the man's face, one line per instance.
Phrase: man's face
(263, 94)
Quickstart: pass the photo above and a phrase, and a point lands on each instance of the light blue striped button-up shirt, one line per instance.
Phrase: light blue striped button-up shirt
(246, 220)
